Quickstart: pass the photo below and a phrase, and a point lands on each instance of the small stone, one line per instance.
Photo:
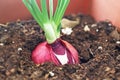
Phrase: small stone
(1, 44)
(100, 47)
(37, 65)
(109, 24)
(107, 69)
(106, 40)
(93, 25)
(13, 42)
(36, 74)
(86, 28)
(12, 70)
(60, 68)
(5, 30)
(19, 49)
(67, 31)
(51, 73)
(97, 30)
(46, 76)
(117, 42)
(7, 73)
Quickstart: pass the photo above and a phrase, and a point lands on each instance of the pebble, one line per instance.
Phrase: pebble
(9, 72)
(36, 74)
(86, 28)
(12, 70)
(117, 42)
(19, 49)
(109, 24)
(106, 40)
(93, 25)
(97, 30)
(100, 47)
(13, 42)
(1, 44)
(46, 76)
(67, 31)
(51, 73)
(5, 30)
(107, 69)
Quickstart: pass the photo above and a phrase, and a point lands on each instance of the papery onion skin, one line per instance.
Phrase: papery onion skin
(44, 53)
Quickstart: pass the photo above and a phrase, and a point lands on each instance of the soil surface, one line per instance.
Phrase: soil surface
(98, 45)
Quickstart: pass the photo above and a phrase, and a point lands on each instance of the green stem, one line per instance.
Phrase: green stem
(49, 22)
(51, 34)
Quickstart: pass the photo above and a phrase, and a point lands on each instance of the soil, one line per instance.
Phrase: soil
(98, 48)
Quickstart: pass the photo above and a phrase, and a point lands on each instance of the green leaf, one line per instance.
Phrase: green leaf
(44, 9)
(51, 9)
(48, 21)
(61, 7)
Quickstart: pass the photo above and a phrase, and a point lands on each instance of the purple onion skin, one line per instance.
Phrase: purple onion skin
(45, 52)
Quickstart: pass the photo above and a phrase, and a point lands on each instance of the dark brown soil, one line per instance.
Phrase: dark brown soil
(99, 52)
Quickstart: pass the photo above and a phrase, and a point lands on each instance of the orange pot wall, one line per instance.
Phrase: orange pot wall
(79, 6)
(11, 10)
(107, 9)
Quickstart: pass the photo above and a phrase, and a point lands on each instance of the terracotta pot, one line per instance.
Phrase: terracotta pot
(11, 10)
(107, 9)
